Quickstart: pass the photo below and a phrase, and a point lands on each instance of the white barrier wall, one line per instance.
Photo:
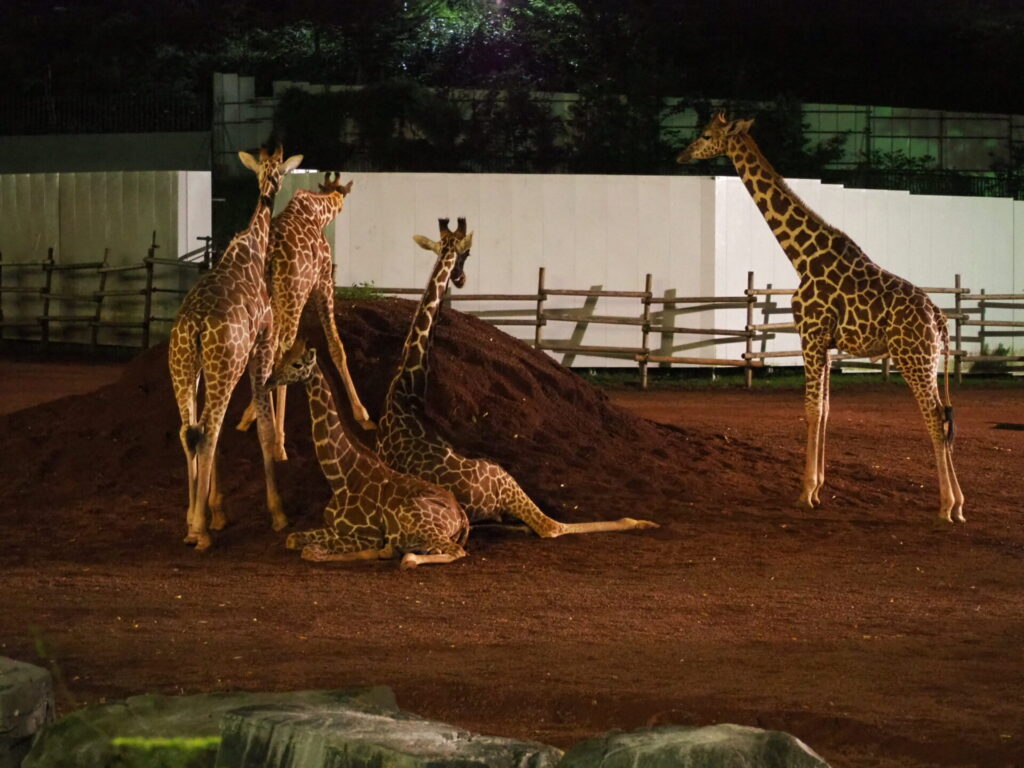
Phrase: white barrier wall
(81, 214)
(698, 236)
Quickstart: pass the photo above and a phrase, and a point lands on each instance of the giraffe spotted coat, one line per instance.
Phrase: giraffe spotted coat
(844, 301)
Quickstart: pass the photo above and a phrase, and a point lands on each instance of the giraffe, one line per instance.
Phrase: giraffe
(484, 489)
(374, 512)
(224, 325)
(300, 269)
(844, 301)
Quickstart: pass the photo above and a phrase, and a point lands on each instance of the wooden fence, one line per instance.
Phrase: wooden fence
(968, 312)
(110, 282)
(654, 316)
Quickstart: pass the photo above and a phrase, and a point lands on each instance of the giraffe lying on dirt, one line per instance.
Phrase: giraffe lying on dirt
(300, 269)
(484, 489)
(375, 512)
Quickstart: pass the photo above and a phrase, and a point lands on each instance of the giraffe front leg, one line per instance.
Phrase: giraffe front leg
(248, 417)
(826, 387)
(815, 393)
(191, 464)
(345, 550)
(323, 297)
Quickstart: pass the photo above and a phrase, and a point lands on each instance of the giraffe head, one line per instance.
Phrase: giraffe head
(457, 242)
(713, 140)
(336, 189)
(297, 365)
(270, 168)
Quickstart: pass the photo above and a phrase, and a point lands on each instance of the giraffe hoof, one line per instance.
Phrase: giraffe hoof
(639, 524)
(292, 542)
(367, 423)
(204, 543)
(280, 454)
(218, 523)
(314, 553)
(279, 523)
(805, 502)
(191, 538)
(408, 562)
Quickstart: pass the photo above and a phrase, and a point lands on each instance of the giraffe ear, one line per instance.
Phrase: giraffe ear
(720, 117)
(249, 162)
(347, 189)
(466, 243)
(290, 164)
(740, 126)
(426, 243)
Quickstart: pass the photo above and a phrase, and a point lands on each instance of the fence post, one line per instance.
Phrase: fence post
(748, 369)
(886, 368)
(540, 308)
(1, 296)
(44, 320)
(981, 328)
(98, 315)
(148, 310)
(648, 282)
(958, 304)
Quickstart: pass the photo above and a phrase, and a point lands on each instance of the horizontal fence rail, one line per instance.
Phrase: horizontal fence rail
(654, 318)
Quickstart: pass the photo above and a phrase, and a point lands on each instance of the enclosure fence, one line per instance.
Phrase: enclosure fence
(655, 318)
(33, 282)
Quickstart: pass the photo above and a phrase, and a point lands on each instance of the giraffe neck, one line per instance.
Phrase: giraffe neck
(337, 454)
(409, 387)
(316, 208)
(800, 231)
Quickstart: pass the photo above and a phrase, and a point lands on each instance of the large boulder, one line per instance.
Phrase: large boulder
(26, 705)
(170, 730)
(715, 746)
(336, 736)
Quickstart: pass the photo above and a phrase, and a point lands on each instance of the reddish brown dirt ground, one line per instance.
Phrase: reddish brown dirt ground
(876, 636)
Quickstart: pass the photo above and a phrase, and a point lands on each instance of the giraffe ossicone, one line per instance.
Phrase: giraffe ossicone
(483, 488)
(375, 512)
(844, 301)
(225, 325)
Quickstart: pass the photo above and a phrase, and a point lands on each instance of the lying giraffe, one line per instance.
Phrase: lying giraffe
(844, 301)
(225, 324)
(375, 512)
(300, 269)
(484, 489)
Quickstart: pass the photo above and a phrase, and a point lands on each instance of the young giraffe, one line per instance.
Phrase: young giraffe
(223, 325)
(484, 489)
(375, 512)
(844, 301)
(300, 269)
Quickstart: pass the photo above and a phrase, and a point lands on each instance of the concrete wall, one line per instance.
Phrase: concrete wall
(696, 235)
(81, 214)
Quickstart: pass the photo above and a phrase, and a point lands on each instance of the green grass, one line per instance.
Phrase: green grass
(143, 752)
(358, 291)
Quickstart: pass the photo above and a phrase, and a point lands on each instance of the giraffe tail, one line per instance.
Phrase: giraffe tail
(948, 425)
(194, 437)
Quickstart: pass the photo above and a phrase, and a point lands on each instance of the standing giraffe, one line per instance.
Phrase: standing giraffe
(484, 489)
(374, 512)
(300, 269)
(225, 324)
(844, 301)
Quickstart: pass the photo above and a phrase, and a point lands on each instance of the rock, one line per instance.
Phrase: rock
(169, 730)
(716, 746)
(26, 705)
(341, 737)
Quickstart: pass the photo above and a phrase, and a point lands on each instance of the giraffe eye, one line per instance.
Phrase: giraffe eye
(706, 136)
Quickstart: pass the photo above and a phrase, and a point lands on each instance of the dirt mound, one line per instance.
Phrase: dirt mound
(574, 452)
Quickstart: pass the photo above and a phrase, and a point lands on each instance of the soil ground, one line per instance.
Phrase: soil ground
(875, 635)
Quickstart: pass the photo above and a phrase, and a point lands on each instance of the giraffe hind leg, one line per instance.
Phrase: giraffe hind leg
(438, 553)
